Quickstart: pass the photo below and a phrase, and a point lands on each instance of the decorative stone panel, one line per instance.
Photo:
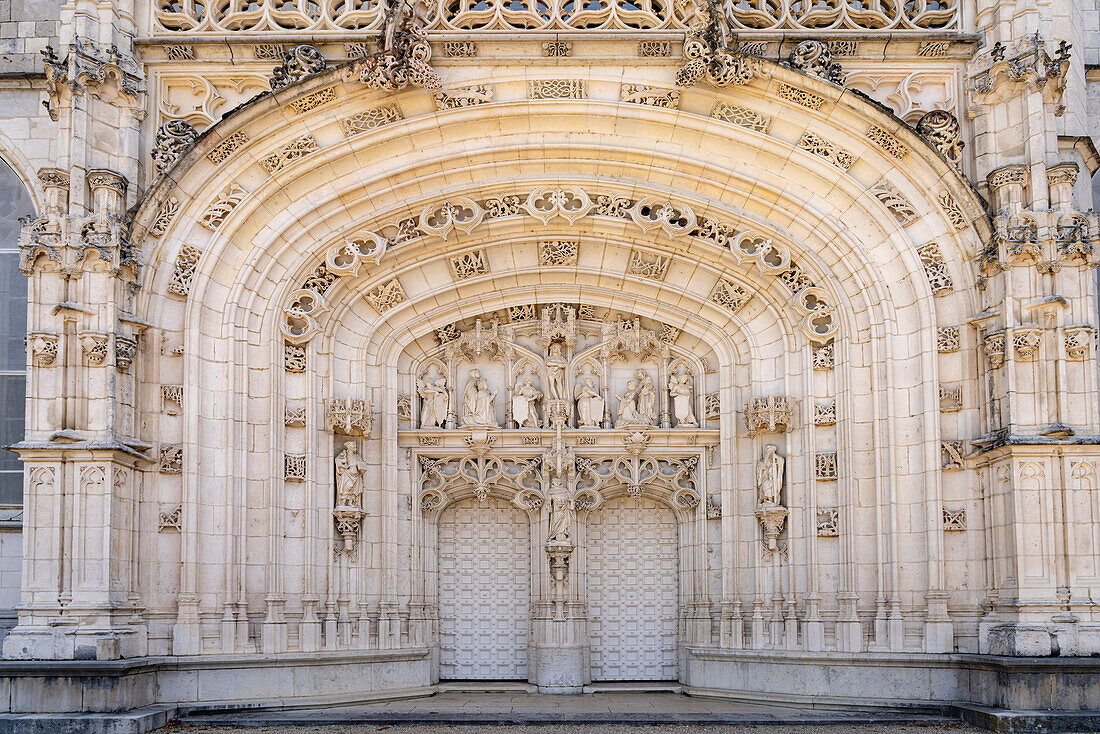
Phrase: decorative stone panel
(221, 207)
(349, 416)
(386, 295)
(887, 142)
(828, 522)
(653, 267)
(948, 339)
(654, 49)
(773, 413)
(825, 466)
(823, 357)
(469, 265)
(935, 268)
(557, 89)
(729, 295)
(294, 467)
(171, 399)
(954, 520)
(294, 416)
(557, 253)
(813, 143)
(741, 116)
(171, 458)
(187, 262)
(460, 49)
(314, 100)
(952, 455)
(171, 518)
(950, 399)
(226, 148)
(294, 358)
(289, 153)
(652, 96)
(825, 414)
(895, 201)
(370, 119)
(165, 216)
(464, 97)
(801, 97)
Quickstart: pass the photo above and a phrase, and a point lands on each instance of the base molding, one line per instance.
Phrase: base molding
(137, 696)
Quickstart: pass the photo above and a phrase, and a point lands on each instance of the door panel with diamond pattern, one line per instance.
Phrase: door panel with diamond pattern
(632, 590)
(484, 591)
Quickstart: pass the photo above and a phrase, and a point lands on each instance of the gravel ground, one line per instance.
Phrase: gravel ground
(572, 729)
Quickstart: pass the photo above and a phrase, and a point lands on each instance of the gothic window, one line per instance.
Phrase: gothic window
(15, 202)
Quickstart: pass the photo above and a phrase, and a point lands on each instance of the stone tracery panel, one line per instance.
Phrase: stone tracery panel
(176, 17)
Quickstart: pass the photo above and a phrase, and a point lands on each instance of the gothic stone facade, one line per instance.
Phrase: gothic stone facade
(372, 346)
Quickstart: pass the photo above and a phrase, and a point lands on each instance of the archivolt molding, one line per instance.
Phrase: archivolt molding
(571, 202)
(372, 248)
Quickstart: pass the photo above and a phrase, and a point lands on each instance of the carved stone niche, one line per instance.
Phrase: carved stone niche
(774, 413)
(349, 416)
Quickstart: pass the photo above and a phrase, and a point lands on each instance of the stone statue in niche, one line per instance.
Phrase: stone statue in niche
(561, 514)
(525, 397)
(628, 406)
(478, 402)
(647, 398)
(433, 401)
(589, 404)
(555, 373)
(769, 476)
(679, 388)
(349, 476)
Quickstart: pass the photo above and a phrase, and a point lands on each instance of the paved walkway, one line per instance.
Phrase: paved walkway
(528, 708)
(581, 729)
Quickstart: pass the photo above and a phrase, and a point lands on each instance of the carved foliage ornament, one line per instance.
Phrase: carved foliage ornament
(298, 63)
(815, 57)
(708, 54)
(402, 58)
(941, 129)
(172, 140)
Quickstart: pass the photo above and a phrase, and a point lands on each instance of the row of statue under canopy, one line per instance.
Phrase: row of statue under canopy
(636, 406)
